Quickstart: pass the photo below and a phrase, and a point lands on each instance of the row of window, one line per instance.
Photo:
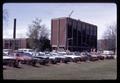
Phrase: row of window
(81, 26)
(82, 35)
(10, 44)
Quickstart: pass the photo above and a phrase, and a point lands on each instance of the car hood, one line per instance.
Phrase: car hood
(94, 55)
(60, 56)
(52, 57)
(72, 56)
(9, 57)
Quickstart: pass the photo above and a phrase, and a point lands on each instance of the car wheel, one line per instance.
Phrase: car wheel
(16, 64)
(34, 63)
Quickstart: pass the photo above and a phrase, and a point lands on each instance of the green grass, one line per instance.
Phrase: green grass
(98, 70)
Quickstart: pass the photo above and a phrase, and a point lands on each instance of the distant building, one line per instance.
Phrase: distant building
(74, 35)
(106, 44)
(19, 43)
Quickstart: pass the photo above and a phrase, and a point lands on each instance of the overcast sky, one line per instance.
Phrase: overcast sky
(100, 14)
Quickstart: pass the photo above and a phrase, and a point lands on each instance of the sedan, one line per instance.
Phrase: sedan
(42, 58)
(10, 60)
(72, 57)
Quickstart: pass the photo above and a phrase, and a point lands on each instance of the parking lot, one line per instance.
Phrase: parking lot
(98, 70)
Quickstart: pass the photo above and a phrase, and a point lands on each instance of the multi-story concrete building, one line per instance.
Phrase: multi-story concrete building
(74, 35)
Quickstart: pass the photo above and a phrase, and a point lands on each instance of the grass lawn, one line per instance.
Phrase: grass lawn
(99, 70)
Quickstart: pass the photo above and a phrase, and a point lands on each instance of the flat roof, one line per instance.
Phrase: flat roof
(73, 19)
(13, 39)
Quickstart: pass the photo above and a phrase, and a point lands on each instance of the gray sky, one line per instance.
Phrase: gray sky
(100, 14)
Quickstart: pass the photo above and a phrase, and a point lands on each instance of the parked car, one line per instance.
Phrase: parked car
(93, 56)
(10, 60)
(108, 54)
(26, 58)
(23, 57)
(42, 58)
(60, 57)
(72, 57)
(52, 58)
(7, 51)
(25, 50)
(82, 56)
(100, 56)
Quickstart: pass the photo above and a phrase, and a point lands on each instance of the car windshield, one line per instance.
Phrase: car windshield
(41, 54)
(48, 54)
(27, 54)
(30, 50)
(62, 53)
(82, 53)
(54, 54)
(59, 54)
(69, 53)
(4, 54)
(78, 54)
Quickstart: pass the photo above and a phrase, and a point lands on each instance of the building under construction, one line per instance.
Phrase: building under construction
(74, 35)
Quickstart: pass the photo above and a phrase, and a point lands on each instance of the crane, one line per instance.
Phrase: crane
(70, 13)
(69, 38)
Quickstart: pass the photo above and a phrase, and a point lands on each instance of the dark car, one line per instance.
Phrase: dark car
(100, 56)
(42, 58)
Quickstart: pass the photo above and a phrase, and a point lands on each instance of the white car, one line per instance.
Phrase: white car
(25, 50)
(83, 56)
(93, 56)
(72, 57)
(52, 58)
(10, 60)
(60, 56)
(7, 51)
(9, 57)
(108, 54)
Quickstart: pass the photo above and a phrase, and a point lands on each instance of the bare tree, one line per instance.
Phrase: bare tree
(37, 34)
(5, 14)
(110, 37)
(111, 32)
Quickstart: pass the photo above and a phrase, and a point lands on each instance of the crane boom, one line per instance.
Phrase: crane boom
(70, 13)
